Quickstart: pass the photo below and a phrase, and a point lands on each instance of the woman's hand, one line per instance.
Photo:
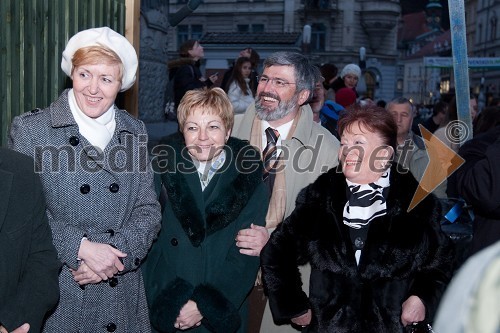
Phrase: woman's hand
(84, 275)
(413, 310)
(102, 259)
(189, 316)
(304, 319)
(214, 77)
(24, 328)
(252, 240)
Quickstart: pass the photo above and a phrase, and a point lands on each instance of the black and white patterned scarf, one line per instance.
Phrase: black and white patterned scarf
(366, 202)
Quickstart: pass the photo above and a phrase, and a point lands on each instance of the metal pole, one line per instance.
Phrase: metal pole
(462, 130)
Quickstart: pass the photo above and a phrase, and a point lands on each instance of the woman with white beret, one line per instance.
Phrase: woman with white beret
(101, 204)
(348, 78)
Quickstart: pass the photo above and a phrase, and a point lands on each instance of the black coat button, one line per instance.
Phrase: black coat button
(114, 187)
(111, 327)
(85, 188)
(174, 241)
(137, 261)
(74, 140)
(113, 282)
(359, 243)
(111, 232)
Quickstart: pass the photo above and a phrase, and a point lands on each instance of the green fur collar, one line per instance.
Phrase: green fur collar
(237, 180)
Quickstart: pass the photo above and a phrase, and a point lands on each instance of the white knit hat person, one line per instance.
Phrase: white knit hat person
(103, 37)
(351, 69)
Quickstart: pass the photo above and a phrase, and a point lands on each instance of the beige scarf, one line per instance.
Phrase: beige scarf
(277, 203)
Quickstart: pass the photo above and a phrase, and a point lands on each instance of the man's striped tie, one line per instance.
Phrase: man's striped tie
(269, 155)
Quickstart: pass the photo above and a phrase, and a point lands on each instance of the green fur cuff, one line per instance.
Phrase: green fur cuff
(220, 314)
(168, 303)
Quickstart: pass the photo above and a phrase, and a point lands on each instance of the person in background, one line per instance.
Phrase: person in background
(325, 112)
(281, 118)
(375, 266)
(254, 57)
(487, 119)
(349, 78)
(443, 132)
(330, 73)
(98, 183)
(238, 85)
(185, 71)
(345, 97)
(438, 118)
(28, 260)
(478, 183)
(195, 276)
(411, 152)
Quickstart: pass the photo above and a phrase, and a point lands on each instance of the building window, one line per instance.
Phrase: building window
(479, 33)
(399, 85)
(250, 27)
(493, 26)
(185, 32)
(196, 31)
(318, 37)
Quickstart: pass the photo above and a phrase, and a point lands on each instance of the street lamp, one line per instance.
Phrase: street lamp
(306, 39)
(181, 14)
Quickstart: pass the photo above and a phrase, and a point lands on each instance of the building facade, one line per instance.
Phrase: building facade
(338, 29)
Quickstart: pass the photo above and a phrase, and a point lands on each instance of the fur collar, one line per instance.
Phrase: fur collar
(236, 182)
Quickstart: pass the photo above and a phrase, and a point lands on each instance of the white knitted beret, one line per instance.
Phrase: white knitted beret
(105, 37)
(351, 69)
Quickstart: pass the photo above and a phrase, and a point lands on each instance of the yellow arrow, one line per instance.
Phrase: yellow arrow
(443, 161)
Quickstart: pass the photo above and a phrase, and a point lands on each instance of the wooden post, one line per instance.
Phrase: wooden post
(132, 33)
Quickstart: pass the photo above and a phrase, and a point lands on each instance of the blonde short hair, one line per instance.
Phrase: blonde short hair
(212, 101)
(95, 55)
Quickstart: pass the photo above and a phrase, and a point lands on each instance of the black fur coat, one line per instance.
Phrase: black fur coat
(405, 254)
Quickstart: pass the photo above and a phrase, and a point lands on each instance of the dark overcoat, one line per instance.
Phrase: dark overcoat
(28, 259)
(478, 182)
(195, 256)
(109, 198)
(405, 253)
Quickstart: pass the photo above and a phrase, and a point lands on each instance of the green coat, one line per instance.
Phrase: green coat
(195, 256)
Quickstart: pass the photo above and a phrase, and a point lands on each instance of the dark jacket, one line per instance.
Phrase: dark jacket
(186, 75)
(405, 254)
(195, 256)
(28, 260)
(478, 182)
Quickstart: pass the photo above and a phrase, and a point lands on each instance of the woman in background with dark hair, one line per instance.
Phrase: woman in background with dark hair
(238, 85)
(375, 266)
(254, 60)
(186, 70)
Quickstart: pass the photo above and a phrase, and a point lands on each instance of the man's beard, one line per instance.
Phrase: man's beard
(281, 111)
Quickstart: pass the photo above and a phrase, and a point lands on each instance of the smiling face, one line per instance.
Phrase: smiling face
(205, 135)
(277, 98)
(350, 80)
(363, 154)
(95, 87)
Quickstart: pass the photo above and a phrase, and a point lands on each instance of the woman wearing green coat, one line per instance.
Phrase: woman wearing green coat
(195, 276)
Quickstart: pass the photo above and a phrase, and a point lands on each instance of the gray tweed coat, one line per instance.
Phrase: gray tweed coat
(107, 197)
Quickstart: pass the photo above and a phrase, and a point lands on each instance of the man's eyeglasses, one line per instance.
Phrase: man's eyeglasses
(277, 83)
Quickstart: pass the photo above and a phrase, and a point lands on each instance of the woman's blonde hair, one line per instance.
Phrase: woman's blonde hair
(212, 101)
(97, 55)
